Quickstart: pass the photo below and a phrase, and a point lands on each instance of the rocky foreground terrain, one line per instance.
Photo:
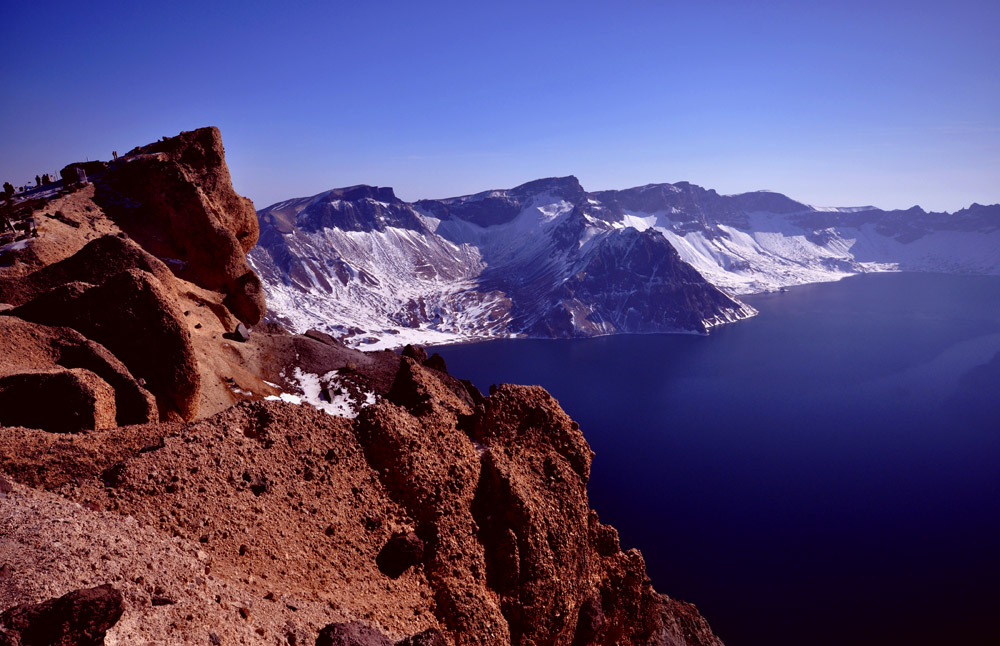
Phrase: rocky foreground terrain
(163, 479)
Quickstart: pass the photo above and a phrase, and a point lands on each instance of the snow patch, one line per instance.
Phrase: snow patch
(329, 393)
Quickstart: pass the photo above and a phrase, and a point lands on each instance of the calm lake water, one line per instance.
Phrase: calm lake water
(825, 473)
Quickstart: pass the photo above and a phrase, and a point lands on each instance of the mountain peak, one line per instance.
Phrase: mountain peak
(363, 191)
(569, 183)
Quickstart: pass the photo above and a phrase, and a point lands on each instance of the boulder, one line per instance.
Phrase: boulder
(429, 637)
(73, 174)
(242, 333)
(80, 618)
(415, 352)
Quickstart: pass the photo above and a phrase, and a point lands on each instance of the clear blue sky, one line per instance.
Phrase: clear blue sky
(833, 103)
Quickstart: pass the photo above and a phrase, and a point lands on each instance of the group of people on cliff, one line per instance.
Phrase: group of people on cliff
(40, 180)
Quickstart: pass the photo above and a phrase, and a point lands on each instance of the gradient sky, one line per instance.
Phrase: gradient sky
(833, 103)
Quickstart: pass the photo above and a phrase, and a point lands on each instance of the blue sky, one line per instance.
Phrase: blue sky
(844, 103)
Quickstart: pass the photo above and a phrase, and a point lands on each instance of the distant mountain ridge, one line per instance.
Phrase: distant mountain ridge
(549, 259)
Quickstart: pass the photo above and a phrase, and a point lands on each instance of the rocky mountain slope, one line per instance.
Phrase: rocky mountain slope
(548, 259)
(763, 241)
(164, 478)
(539, 260)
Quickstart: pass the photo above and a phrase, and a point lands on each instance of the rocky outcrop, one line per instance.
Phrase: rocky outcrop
(132, 316)
(176, 199)
(97, 261)
(433, 514)
(169, 212)
(499, 495)
(79, 618)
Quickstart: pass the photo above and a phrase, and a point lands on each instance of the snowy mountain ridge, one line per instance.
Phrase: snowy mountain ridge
(548, 259)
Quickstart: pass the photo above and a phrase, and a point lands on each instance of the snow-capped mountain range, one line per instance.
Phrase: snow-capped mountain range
(548, 259)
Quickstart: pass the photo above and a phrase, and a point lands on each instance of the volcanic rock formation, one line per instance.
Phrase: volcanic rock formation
(402, 506)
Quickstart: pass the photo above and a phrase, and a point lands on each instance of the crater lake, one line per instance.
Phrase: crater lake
(827, 472)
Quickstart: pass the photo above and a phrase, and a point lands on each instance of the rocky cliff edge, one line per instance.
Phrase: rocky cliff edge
(154, 487)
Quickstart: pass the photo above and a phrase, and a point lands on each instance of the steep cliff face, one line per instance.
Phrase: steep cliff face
(401, 505)
(176, 199)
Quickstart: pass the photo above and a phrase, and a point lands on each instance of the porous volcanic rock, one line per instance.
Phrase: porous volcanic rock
(132, 315)
(403, 551)
(176, 199)
(295, 504)
(97, 261)
(79, 618)
(416, 387)
(498, 491)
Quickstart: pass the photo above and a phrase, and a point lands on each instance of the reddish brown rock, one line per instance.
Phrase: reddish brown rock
(429, 637)
(97, 261)
(416, 388)
(175, 198)
(414, 352)
(131, 315)
(80, 618)
(401, 552)
(436, 362)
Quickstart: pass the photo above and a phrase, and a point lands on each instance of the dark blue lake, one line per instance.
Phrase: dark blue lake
(825, 473)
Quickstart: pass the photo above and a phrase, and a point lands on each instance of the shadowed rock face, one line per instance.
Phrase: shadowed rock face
(132, 316)
(79, 618)
(176, 199)
(29, 348)
(60, 400)
(354, 633)
(634, 283)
